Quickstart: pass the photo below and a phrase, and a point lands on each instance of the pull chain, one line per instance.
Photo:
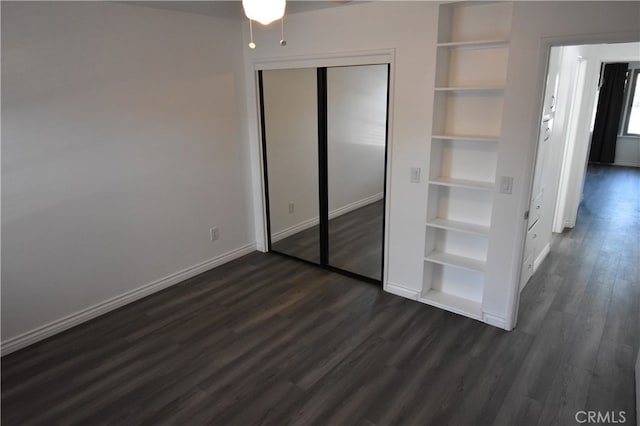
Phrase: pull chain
(252, 45)
(283, 42)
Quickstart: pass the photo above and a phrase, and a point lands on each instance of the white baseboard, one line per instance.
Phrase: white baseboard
(541, 257)
(401, 291)
(287, 232)
(496, 321)
(30, 337)
(306, 224)
(408, 293)
(355, 205)
(626, 164)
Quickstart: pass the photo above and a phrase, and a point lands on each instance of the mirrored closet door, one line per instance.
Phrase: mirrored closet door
(290, 122)
(324, 135)
(356, 148)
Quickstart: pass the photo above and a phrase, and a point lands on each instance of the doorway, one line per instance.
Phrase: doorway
(573, 83)
(324, 142)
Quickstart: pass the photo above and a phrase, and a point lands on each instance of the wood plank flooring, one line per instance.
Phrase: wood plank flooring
(270, 340)
(355, 242)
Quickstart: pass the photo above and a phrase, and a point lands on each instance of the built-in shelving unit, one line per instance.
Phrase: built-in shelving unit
(471, 64)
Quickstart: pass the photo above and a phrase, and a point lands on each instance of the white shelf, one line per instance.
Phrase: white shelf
(475, 44)
(459, 204)
(454, 225)
(452, 303)
(470, 89)
(472, 138)
(463, 183)
(448, 259)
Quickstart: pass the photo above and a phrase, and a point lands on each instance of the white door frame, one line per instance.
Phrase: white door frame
(370, 57)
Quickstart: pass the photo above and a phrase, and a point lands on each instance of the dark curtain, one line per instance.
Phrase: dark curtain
(610, 102)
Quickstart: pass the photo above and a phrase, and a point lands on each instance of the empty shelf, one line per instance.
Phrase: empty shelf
(463, 183)
(470, 228)
(448, 259)
(469, 89)
(476, 44)
(472, 138)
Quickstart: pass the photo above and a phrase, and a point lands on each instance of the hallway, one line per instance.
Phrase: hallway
(584, 306)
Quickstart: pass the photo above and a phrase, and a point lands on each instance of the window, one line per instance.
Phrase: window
(633, 105)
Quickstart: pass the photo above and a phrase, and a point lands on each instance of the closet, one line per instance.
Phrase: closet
(324, 136)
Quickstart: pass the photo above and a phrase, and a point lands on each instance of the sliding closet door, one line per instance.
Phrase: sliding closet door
(290, 147)
(356, 120)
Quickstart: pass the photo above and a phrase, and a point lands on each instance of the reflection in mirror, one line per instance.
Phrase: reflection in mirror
(290, 127)
(356, 145)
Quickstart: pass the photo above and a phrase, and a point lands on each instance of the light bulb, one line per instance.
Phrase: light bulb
(264, 11)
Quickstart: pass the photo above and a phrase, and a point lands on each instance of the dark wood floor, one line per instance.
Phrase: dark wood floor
(355, 242)
(270, 340)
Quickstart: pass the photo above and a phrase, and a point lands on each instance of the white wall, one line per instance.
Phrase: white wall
(356, 134)
(627, 151)
(121, 147)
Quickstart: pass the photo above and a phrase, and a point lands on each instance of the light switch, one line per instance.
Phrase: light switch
(415, 175)
(506, 184)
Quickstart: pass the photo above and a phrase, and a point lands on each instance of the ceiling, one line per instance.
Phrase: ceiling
(233, 9)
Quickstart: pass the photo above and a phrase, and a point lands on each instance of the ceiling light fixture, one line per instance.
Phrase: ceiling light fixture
(265, 12)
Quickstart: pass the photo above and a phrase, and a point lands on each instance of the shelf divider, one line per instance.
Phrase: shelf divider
(463, 183)
(469, 89)
(475, 44)
(472, 138)
(449, 259)
(454, 225)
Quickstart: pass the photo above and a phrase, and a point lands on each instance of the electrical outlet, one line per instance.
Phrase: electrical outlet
(292, 207)
(213, 232)
(506, 184)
